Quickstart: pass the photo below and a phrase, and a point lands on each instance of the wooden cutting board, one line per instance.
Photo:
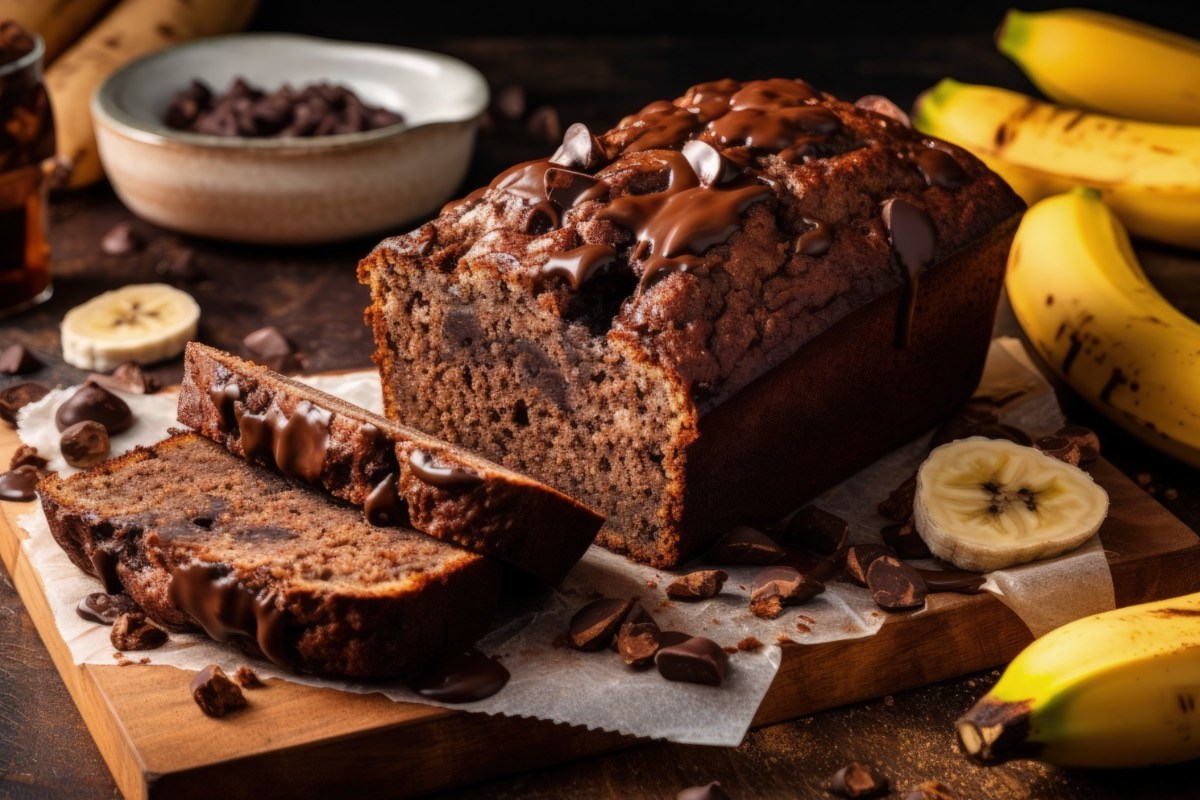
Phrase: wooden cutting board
(302, 741)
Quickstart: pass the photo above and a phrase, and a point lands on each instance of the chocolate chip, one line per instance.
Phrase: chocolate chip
(712, 168)
(579, 148)
(699, 585)
(931, 790)
(509, 103)
(248, 678)
(27, 456)
(882, 105)
(894, 585)
(745, 545)
(1085, 439)
(593, 626)
(133, 631)
(904, 539)
(818, 530)
(912, 233)
(85, 444)
(179, 265)
(14, 398)
(697, 660)
(637, 642)
(97, 404)
(776, 587)
(1060, 447)
(544, 124)
(815, 241)
(17, 360)
(857, 780)
(128, 377)
(121, 240)
(215, 693)
(899, 504)
(940, 169)
(103, 608)
(712, 791)
(859, 558)
(269, 347)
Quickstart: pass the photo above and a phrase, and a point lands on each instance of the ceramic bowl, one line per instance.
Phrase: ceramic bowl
(289, 190)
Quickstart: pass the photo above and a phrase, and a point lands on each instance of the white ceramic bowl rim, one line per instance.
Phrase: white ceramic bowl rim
(465, 100)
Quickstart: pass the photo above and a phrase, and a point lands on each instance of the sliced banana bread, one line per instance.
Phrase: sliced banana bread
(200, 538)
(399, 475)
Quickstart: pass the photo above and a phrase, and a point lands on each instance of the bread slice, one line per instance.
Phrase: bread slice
(370, 461)
(199, 538)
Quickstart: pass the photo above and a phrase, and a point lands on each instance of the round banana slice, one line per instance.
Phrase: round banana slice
(985, 504)
(142, 322)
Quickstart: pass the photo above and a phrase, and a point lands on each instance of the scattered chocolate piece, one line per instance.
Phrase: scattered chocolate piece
(637, 642)
(269, 347)
(465, 677)
(898, 506)
(857, 780)
(697, 660)
(1085, 440)
(128, 377)
(510, 103)
(1060, 447)
(179, 265)
(951, 580)
(894, 585)
(95, 403)
(18, 360)
(818, 530)
(931, 790)
(14, 398)
(248, 678)
(121, 240)
(776, 587)
(712, 791)
(132, 630)
(103, 608)
(544, 124)
(859, 558)
(27, 456)
(749, 644)
(215, 693)
(20, 485)
(745, 546)
(702, 584)
(882, 105)
(85, 444)
(905, 540)
(593, 626)
(579, 148)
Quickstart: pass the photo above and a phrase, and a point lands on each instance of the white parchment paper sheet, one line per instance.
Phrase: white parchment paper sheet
(595, 689)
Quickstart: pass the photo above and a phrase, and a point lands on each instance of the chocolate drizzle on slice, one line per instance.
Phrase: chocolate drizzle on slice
(567, 189)
(913, 238)
(295, 444)
(579, 264)
(427, 469)
(104, 558)
(228, 610)
(384, 506)
(463, 678)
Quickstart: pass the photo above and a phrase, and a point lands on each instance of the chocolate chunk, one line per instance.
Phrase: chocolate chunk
(712, 791)
(894, 585)
(1060, 447)
(215, 693)
(699, 585)
(509, 103)
(931, 790)
(697, 660)
(269, 347)
(776, 587)
(951, 580)
(567, 188)
(132, 630)
(912, 234)
(857, 780)
(1085, 440)
(859, 558)
(815, 241)
(14, 398)
(84, 444)
(425, 467)
(899, 504)
(95, 403)
(466, 677)
(745, 545)
(904, 539)
(104, 608)
(248, 678)
(544, 124)
(179, 265)
(17, 360)
(818, 530)
(637, 642)
(128, 377)
(579, 148)
(882, 105)
(121, 240)
(710, 166)
(940, 169)
(27, 456)
(593, 626)
(20, 485)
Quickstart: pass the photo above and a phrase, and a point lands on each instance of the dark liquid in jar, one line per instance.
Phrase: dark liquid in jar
(24, 251)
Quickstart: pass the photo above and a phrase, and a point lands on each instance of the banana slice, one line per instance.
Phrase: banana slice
(985, 504)
(143, 322)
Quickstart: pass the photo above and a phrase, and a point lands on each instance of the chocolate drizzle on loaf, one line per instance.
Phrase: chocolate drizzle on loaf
(579, 264)
(914, 238)
(295, 444)
(384, 506)
(425, 467)
(228, 610)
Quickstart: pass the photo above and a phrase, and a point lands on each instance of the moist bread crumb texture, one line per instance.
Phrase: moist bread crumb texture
(579, 318)
(201, 539)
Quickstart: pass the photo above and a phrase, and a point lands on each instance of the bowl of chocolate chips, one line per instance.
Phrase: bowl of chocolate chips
(283, 139)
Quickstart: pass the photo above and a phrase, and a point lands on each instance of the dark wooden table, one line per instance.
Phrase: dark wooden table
(311, 294)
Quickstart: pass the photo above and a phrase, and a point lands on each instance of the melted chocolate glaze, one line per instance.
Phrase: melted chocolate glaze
(817, 240)
(104, 565)
(913, 237)
(296, 445)
(228, 610)
(428, 470)
(464, 678)
(579, 264)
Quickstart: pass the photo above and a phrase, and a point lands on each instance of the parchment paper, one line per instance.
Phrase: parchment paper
(596, 690)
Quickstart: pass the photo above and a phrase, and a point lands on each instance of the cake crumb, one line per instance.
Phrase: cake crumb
(1144, 478)
(248, 678)
(1171, 494)
(749, 644)
(651, 584)
(800, 626)
(730, 650)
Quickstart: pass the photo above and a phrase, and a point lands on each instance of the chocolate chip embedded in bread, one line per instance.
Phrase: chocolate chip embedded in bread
(84, 444)
(593, 626)
(215, 693)
(248, 678)
(699, 585)
(894, 585)
(18, 360)
(132, 630)
(745, 545)
(1085, 439)
(95, 403)
(857, 780)
(712, 791)
(905, 540)
(776, 587)
(818, 530)
(859, 558)
(697, 660)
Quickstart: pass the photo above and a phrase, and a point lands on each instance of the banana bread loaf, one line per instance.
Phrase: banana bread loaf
(201, 539)
(399, 475)
(704, 315)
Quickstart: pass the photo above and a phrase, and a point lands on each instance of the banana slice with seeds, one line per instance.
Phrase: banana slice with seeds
(144, 323)
(985, 504)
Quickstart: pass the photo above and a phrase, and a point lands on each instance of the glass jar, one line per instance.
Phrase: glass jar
(26, 163)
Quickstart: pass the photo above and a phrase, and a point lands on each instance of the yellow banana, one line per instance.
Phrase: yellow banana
(1149, 174)
(1107, 63)
(1089, 310)
(1118, 689)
